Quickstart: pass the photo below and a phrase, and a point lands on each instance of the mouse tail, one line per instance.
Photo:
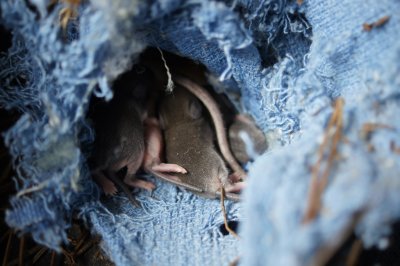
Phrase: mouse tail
(173, 180)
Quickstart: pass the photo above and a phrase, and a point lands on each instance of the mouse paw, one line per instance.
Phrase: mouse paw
(236, 177)
(168, 167)
(110, 190)
(236, 187)
(134, 182)
(108, 186)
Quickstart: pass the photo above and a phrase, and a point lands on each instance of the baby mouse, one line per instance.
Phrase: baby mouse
(184, 73)
(211, 106)
(120, 137)
(247, 141)
(216, 116)
(154, 147)
(189, 143)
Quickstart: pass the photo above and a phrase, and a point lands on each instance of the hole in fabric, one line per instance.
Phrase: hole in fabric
(5, 37)
(386, 253)
(277, 30)
(232, 224)
(269, 57)
(106, 118)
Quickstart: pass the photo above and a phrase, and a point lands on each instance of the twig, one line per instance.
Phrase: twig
(97, 254)
(21, 251)
(27, 255)
(355, 251)
(39, 254)
(326, 252)
(318, 181)
(235, 261)
(9, 231)
(394, 148)
(85, 247)
(368, 128)
(232, 232)
(70, 258)
(6, 253)
(80, 242)
(379, 23)
(53, 258)
(69, 12)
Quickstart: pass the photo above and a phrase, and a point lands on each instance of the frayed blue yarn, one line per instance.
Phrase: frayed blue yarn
(360, 67)
(289, 63)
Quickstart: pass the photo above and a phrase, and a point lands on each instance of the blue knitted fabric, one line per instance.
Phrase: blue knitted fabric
(289, 62)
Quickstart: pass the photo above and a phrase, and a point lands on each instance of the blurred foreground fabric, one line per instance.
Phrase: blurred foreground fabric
(296, 64)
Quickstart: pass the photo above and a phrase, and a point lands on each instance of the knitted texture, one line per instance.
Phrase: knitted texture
(290, 62)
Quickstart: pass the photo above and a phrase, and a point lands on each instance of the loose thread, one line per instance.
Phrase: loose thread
(170, 84)
(32, 189)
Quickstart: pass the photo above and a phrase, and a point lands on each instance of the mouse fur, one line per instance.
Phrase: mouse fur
(189, 142)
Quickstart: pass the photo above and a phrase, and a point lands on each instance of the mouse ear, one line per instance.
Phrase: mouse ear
(194, 109)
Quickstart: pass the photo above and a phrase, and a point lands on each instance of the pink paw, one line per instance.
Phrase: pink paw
(236, 177)
(109, 188)
(168, 168)
(236, 187)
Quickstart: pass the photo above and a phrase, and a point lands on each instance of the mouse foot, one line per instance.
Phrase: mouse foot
(236, 177)
(110, 190)
(236, 187)
(168, 168)
(139, 183)
(107, 185)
